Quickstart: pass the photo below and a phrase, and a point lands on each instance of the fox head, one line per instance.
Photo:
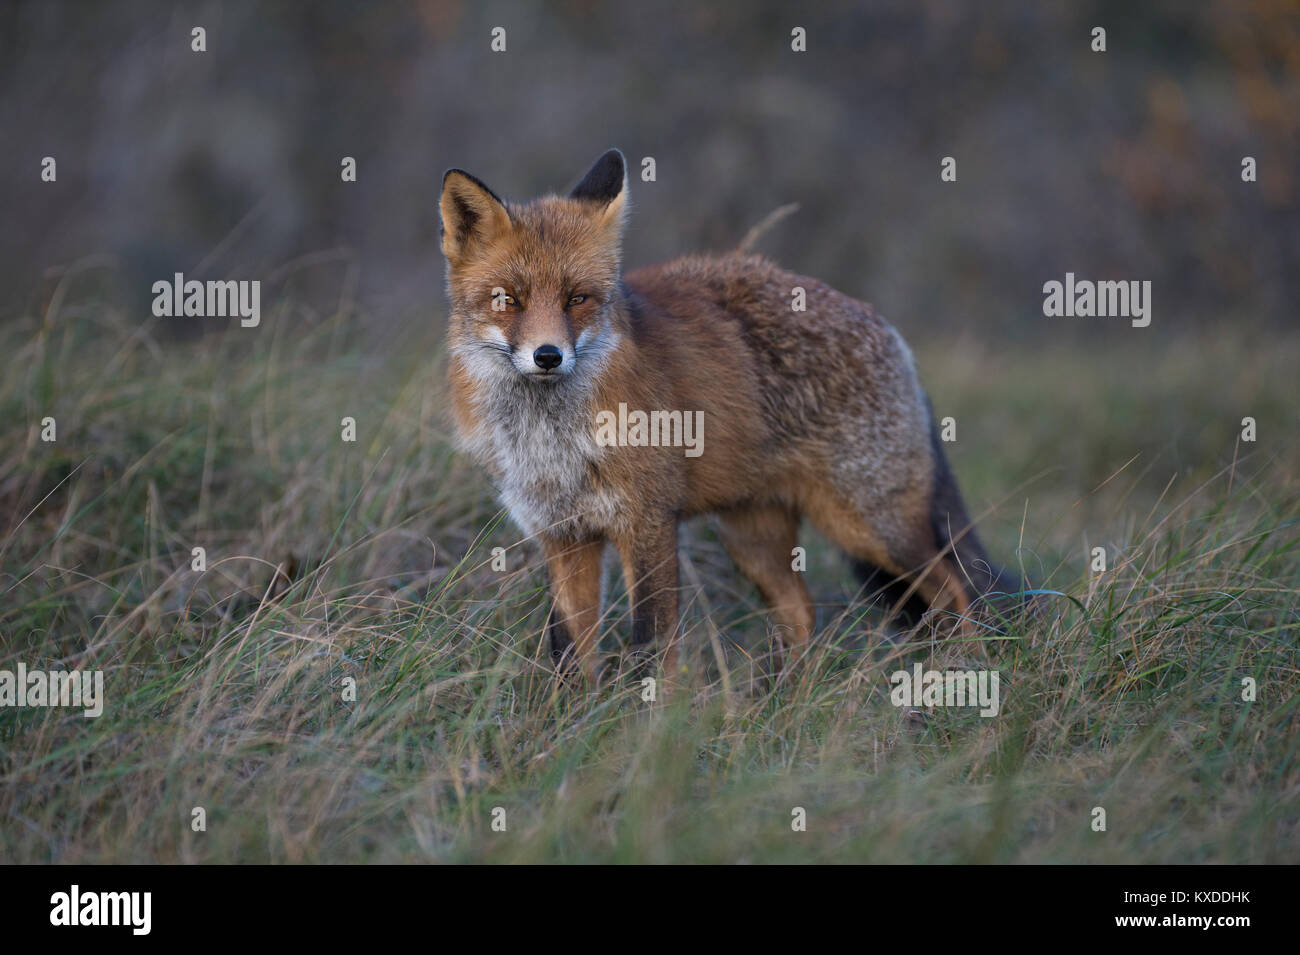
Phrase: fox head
(535, 288)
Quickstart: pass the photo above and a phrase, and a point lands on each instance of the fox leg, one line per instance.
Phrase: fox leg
(940, 583)
(913, 580)
(649, 558)
(574, 569)
(936, 580)
(760, 540)
(901, 544)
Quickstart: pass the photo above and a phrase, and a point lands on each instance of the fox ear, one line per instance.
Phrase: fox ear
(605, 183)
(471, 215)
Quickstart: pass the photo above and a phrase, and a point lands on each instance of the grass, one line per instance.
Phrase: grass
(1125, 694)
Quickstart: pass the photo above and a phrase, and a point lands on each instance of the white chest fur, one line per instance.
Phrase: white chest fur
(541, 444)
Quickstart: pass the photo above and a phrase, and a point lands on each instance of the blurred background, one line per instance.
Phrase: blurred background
(226, 164)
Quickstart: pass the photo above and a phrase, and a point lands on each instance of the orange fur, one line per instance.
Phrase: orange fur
(815, 414)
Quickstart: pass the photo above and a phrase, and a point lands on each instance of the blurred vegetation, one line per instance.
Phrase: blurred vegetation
(226, 164)
(227, 693)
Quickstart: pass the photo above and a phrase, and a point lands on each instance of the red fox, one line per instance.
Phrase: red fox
(814, 414)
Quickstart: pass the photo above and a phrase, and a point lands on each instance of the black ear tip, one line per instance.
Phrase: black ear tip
(604, 181)
(614, 163)
(455, 172)
(472, 178)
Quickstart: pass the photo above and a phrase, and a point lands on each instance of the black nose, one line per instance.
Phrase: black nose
(548, 357)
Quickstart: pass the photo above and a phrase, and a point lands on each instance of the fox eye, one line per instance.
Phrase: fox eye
(577, 299)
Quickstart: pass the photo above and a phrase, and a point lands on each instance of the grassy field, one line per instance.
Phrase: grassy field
(1126, 693)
